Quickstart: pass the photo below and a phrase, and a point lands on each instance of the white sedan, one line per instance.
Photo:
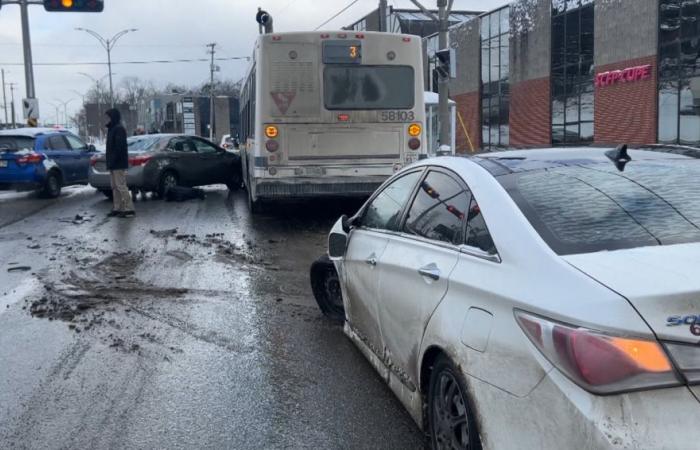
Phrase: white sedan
(539, 299)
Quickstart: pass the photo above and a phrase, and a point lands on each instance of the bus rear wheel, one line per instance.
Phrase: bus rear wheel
(254, 206)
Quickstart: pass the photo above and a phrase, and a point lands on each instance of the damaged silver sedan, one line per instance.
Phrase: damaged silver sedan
(540, 299)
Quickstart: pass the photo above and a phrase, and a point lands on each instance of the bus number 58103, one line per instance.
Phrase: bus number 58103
(397, 116)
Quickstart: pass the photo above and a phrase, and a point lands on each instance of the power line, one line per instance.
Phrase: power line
(102, 63)
(337, 14)
(19, 44)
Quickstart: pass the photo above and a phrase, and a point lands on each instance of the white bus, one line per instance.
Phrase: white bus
(330, 113)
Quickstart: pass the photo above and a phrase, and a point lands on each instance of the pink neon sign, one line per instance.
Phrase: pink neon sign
(629, 75)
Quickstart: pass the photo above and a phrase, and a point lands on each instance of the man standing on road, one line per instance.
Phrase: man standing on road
(118, 164)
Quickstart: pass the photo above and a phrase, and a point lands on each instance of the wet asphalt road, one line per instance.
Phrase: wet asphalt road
(192, 326)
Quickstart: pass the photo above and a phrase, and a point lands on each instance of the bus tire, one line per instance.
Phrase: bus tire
(254, 206)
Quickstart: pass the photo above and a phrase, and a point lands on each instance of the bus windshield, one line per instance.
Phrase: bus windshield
(368, 87)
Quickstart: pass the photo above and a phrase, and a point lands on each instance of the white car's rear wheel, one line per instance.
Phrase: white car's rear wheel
(450, 417)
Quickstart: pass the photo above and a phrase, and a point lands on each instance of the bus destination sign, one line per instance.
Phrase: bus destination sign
(342, 52)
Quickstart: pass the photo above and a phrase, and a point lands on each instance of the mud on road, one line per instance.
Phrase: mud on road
(192, 326)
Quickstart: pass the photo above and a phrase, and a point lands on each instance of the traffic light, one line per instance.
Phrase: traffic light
(74, 5)
(447, 67)
(265, 20)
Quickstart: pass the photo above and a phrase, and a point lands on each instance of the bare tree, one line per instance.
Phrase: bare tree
(135, 91)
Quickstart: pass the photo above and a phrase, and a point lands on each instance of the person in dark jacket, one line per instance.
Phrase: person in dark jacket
(117, 164)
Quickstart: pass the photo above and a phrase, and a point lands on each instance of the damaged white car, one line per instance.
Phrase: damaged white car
(540, 299)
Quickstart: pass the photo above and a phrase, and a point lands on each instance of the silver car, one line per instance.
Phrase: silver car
(162, 161)
(540, 299)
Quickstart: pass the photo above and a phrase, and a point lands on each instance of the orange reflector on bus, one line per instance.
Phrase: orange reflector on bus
(271, 131)
(415, 130)
(343, 117)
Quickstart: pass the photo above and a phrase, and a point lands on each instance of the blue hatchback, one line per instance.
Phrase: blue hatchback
(44, 159)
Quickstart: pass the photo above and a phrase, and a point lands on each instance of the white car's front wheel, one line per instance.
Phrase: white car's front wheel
(325, 285)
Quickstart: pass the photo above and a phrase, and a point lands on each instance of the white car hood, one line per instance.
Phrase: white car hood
(660, 282)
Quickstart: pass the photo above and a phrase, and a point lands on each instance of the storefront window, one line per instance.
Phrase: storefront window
(495, 68)
(572, 72)
(679, 72)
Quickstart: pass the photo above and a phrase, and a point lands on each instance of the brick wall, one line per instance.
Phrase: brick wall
(468, 109)
(627, 112)
(530, 114)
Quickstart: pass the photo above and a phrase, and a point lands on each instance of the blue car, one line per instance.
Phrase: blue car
(44, 159)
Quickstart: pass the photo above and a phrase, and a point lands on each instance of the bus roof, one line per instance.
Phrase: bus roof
(336, 34)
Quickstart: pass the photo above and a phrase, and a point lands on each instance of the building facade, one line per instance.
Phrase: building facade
(416, 22)
(578, 72)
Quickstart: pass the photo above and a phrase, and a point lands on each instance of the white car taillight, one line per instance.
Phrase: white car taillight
(687, 359)
(599, 363)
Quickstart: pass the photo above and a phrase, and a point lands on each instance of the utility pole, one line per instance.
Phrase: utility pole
(4, 96)
(27, 44)
(444, 79)
(12, 105)
(383, 12)
(212, 52)
(443, 19)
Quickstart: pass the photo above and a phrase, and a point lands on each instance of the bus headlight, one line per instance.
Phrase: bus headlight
(415, 130)
(272, 146)
(414, 143)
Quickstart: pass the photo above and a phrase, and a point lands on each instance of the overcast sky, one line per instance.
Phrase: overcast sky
(168, 29)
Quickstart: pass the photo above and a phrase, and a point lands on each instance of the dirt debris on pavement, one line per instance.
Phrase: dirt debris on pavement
(104, 286)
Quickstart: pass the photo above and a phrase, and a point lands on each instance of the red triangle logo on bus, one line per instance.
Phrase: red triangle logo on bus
(283, 100)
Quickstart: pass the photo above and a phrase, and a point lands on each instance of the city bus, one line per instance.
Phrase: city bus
(330, 113)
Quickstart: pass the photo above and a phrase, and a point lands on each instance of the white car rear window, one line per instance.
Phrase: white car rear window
(595, 207)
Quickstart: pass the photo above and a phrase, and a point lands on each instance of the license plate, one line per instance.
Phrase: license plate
(3, 163)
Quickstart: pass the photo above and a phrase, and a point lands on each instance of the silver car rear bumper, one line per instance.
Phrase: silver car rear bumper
(135, 179)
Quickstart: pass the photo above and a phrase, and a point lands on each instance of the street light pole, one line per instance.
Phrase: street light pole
(58, 114)
(108, 45)
(98, 90)
(4, 96)
(12, 105)
(65, 109)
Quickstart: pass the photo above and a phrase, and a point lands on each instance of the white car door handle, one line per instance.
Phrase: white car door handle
(372, 261)
(430, 271)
